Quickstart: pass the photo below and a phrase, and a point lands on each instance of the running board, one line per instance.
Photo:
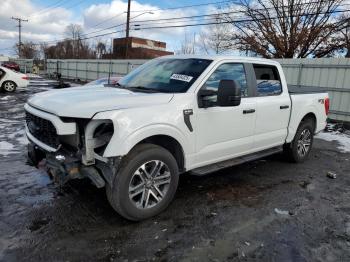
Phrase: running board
(200, 171)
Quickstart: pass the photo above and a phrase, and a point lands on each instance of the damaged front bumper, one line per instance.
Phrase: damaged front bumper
(63, 166)
(72, 148)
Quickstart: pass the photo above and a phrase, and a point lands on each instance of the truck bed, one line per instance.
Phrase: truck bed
(295, 89)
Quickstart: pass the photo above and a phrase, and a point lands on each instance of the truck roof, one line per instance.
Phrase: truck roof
(224, 57)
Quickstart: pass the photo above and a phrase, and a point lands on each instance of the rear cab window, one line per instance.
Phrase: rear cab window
(268, 80)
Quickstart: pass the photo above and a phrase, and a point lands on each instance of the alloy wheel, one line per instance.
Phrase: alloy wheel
(304, 143)
(9, 86)
(149, 184)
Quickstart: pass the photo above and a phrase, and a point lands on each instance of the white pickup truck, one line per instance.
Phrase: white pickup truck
(169, 116)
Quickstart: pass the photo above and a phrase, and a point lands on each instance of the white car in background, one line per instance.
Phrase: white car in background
(10, 80)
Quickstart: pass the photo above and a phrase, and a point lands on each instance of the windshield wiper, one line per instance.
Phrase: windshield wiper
(117, 85)
(143, 89)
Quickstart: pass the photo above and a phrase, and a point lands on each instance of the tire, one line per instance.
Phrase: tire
(297, 151)
(9, 86)
(133, 174)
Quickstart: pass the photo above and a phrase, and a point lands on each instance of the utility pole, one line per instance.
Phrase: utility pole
(127, 29)
(20, 20)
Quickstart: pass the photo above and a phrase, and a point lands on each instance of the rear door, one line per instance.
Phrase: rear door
(273, 107)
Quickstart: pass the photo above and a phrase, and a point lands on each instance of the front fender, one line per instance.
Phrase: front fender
(120, 146)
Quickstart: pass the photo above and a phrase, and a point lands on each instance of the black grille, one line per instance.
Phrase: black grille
(42, 130)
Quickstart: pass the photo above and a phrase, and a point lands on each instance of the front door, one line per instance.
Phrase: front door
(225, 132)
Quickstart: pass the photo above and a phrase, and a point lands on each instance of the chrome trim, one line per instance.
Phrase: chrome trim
(62, 128)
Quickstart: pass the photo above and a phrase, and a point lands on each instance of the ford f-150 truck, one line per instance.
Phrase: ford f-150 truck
(169, 116)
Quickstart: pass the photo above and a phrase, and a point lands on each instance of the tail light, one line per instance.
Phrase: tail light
(326, 105)
(25, 77)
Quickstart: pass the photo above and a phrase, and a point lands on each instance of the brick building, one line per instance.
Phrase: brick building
(138, 48)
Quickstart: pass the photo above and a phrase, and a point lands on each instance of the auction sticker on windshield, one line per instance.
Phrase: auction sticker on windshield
(179, 77)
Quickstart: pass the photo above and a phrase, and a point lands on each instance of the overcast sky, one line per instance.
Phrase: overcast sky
(48, 19)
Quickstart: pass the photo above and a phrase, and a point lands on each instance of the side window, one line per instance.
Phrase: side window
(228, 71)
(268, 80)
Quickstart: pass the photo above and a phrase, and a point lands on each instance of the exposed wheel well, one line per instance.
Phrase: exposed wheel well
(310, 117)
(170, 144)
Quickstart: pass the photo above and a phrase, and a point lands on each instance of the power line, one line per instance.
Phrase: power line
(54, 6)
(76, 4)
(161, 9)
(173, 19)
(110, 27)
(191, 25)
(106, 20)
(237, 21)
(222, 13)
(182, 7)
(184, 17)
(48, 8)
(213, 23)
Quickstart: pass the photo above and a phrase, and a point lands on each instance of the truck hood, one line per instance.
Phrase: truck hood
(85, 102)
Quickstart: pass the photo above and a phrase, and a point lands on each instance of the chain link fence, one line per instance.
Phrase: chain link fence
(327, 74)
(87, 70)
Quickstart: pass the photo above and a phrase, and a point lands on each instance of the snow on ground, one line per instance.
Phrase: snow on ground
(5, 98)
(342, 139)
(6, 148)
(34, 76)
(19, 136)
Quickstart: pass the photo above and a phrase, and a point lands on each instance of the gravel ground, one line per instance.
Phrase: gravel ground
(267, 210)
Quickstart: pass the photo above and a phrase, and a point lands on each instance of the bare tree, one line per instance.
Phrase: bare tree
(68, 49)
(216, 38)
(74, 33)
(287, 29)
(101, 49)
(345, 34)
(188, 45)
(29, 50)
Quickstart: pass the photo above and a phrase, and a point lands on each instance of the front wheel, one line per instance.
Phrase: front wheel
(299, 149)
(145, 183)
(9, 86)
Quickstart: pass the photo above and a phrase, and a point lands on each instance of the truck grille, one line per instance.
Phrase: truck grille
(42, 129)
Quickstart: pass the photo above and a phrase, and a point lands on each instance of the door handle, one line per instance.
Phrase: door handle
(284, 107)
(248, 111)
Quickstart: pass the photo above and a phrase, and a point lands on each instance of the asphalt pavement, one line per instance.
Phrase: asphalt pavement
(266, 210)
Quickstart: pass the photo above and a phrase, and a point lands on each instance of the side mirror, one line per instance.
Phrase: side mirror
(229, 93)
(203, 96)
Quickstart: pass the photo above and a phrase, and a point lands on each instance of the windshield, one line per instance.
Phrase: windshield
(166, 75)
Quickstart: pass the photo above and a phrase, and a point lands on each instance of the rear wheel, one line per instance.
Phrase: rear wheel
(145, 183)
(299, 149)
(9, 86)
